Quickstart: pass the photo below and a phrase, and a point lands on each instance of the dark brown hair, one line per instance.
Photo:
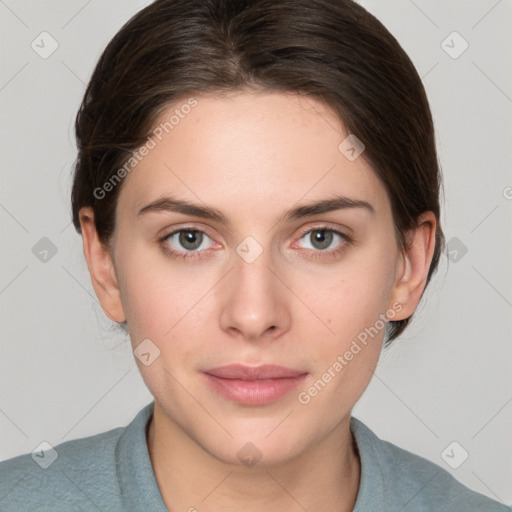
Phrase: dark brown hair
(332, 50)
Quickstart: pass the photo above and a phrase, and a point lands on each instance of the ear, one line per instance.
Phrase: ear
(101, 267)
(412, 269)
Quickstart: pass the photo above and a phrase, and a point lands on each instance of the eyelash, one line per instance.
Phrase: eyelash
(315, 253)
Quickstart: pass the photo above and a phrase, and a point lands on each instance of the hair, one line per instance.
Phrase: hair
(330, 50)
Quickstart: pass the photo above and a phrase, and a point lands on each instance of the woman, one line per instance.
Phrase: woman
(257, 189)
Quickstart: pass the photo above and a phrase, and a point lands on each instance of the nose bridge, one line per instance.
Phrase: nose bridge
(254, 303)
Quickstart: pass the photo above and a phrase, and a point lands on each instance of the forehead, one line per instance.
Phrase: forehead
(246, 149)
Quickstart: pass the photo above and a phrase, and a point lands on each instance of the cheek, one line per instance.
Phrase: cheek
(349, 299)
(345, 356)
(164, 301)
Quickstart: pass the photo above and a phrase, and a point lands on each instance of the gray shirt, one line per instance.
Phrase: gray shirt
(112, 472)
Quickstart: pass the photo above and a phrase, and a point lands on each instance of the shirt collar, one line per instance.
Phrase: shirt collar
(372, 494)
(137, 481)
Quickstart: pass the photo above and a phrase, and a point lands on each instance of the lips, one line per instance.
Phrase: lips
(249, 385)
(250, 373)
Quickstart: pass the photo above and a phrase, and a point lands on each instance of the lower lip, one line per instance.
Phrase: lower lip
(256, 392)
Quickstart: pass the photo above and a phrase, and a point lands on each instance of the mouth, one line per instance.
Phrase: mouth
(253, 385)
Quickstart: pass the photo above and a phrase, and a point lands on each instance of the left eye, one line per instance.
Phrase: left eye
(322, 238)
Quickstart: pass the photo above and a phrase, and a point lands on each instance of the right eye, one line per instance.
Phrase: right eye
(182, 241)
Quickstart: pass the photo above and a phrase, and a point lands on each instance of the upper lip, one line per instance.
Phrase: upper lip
(242, 372)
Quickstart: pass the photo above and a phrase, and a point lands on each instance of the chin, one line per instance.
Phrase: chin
(261, 442)
(247, 454)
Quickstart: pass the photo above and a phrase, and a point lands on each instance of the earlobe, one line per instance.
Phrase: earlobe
(413, 267)
(101, 268)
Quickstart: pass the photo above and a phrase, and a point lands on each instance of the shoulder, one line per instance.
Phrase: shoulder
(405, 481)
(65, 477)
(106, 471)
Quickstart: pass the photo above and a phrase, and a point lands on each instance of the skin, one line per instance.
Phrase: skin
(254, 155)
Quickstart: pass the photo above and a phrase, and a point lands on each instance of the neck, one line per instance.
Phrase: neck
(323, 478)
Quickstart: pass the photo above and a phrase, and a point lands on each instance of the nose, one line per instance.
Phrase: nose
(255, 300)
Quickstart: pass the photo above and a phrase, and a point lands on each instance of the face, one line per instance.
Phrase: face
(254, 285)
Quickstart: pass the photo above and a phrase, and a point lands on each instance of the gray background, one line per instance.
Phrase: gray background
(66, 373)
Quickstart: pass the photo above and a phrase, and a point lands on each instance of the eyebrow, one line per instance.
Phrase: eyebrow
(166, 204)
